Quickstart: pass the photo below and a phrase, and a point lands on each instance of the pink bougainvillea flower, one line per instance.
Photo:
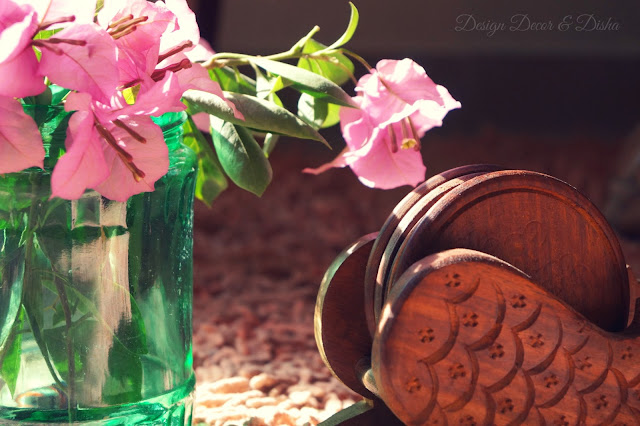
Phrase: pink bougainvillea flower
(152, 39)
(83, 165)
(20, 140)
(115, 148)
(136, 26)
(85, 61)
(144, 29)
(18, 25)
(398, 104)
(112, 144)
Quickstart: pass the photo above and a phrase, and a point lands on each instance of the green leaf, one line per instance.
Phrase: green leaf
(334, 66)
(270, 141)
(10, 355)
(312, 111)
(130, 94)
(128, 341)
(267, 87)
(45, 34)
(258, 114)
(58, 93)
(307, 81)
(56, 340)
(351, 28)
(210, 180)
(230, 79)
(11, 275)
(124, 381)
(333, 116)
(317, 111)
(241, 156)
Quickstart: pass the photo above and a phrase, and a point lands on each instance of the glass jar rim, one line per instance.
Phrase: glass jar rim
(166, 121)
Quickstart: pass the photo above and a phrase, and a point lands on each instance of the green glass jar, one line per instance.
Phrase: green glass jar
(96, 295)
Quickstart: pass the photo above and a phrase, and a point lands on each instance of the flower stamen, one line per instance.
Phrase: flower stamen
(392, 136)
(120, 21)
(60, 20)
(408, 142)
(175, 50)
(126, 27)
(126, 158)
(137, 136)
(131, 84)
(415, 134)
(41, 44)
(50, 42)
(159, 74)
(121, 34)
(71, 41)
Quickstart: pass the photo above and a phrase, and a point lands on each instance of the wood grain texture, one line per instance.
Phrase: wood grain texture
(540, 225)
(404, 227)
(340, 326)
(373, 281)
(466, 338)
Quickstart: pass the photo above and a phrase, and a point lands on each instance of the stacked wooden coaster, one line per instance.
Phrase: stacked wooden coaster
(489, 296)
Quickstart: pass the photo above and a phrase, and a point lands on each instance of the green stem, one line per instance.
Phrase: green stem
(28, 271)
(357, 58)
(35, 330)
(32, 226)
(71, 360)
(235, 59)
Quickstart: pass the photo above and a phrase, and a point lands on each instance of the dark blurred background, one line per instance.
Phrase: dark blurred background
(545, 85)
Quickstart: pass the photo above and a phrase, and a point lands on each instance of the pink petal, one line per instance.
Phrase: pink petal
(90, 68)
(29, 83)
(152, 158)
(197, 77)
(338, 162)
(142, 47)
(50, 10)
(157, 98)
(185, 27)
(383, 169)
(83, 165)
(397, 89)
(20, 140)
(18, 25)
(201, 52)
(201, 121)
(83, 11)
(78, 102)
(429, 114)
(407, 79)
(356, 127)
(111, 8)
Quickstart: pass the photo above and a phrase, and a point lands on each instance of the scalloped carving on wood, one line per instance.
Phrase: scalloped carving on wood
(498, 350)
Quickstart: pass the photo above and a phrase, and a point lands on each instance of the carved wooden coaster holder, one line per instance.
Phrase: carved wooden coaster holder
(489, 296)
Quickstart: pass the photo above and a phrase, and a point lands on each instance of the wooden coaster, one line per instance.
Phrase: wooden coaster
(340, 325)
(407, 223)
(373, 280)
(538, 224)
(466, 338)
